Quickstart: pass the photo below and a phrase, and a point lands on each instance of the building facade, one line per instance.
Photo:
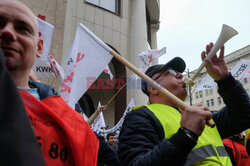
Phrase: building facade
(128, 26)
(210, 97)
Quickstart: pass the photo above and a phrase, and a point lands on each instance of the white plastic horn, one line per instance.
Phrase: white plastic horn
(226, 33)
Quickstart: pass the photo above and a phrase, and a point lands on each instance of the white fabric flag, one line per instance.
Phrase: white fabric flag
(206, 83)
(57, 69)
(108, 71)
(117, 128)
(99, 122)
(85, 61)
(148, 56)
(46, 34)
(41, 66)
(45, 69)
(240, 71)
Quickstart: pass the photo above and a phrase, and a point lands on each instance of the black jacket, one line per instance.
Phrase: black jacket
(17, 139)
(142, 141)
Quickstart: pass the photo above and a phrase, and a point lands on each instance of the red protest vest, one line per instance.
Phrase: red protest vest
(64, 136)
(239, 151)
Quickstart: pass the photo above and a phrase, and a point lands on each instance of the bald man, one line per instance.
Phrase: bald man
(64, 137)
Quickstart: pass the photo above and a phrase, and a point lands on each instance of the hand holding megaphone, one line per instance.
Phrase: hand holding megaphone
(227, 33)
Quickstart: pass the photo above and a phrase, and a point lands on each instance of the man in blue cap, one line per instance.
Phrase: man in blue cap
(161, 134)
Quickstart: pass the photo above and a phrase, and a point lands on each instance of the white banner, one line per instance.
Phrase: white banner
(99, 122)
(240, 71)
(148, 56)
(117, 128)
(85, 61)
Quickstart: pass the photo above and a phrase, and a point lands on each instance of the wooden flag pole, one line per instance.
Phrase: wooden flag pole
(110, 100)
(168, 94)
(97, 112)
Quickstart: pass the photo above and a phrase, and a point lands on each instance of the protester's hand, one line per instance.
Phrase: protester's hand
(216, 67)
(194, 118)
(102, 108)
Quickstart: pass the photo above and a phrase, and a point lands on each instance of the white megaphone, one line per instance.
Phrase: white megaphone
(226, 33)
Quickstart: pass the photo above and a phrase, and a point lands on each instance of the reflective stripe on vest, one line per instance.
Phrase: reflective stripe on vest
(204, 152)
(209, 149)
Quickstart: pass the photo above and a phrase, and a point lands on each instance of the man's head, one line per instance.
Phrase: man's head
(169, 76)
(19, 36)
(111, 138)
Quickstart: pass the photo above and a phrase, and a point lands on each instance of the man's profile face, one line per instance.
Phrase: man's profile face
(173, 84)
(112, 140)
(18, 35)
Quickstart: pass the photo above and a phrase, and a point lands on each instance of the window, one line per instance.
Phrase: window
(200, 94)
(211, 91)
(196, 95)
(219, 100)
(208, 103)
(212, 102)
(206, 92)
(110, 5)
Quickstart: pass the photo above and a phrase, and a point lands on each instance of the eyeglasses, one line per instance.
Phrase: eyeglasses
(170, 71)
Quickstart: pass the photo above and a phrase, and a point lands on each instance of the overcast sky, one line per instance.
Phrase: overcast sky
(188, 25)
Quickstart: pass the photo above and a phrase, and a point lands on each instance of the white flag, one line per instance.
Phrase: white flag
(57, 69)
(43, 69)
(108, 71)
(240, 71)
(148, 56)
(206, 83)
(85, 61)
(117, 128)
(46, 34)
(41, 66)
(99, 122)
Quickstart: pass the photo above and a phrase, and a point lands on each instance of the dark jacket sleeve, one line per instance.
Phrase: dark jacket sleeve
(235, 117)
(142, 142)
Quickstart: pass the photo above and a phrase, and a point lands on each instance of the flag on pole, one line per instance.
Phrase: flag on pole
(148, 56)
(99, 122)
(117, 128)
(85, 61)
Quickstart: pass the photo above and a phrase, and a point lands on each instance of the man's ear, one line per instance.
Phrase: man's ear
(39, 48)
(153, 90)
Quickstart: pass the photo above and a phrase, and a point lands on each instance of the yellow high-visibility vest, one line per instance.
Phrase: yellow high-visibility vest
(209, 149)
